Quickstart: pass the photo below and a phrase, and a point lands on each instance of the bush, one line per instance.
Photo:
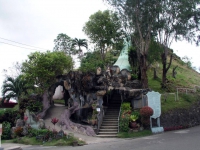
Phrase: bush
(6, 135)
(146, 111)
(124, 120)
(18, 131)
(125, 106)
(124, 123)
(10, 116)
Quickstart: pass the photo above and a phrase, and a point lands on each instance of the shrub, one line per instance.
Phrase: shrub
(10, 116)
(124, 120)
(6, 130)
(146, 111)
(125, 106)
(124, 123)
(18, 131)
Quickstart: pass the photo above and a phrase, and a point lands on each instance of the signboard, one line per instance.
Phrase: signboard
(98, 109)
(154, 103)
(0, 129)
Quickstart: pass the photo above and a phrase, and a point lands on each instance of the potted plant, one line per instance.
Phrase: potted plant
(133, 118)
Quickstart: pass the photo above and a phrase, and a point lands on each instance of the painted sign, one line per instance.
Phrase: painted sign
(154, 103)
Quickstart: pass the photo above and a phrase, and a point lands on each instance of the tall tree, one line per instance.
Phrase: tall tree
(15, 87)
(41, 68)
(104, 29)
(176, 20)
(138, 18)
(163, 19)
(79, 43)
(63, 43)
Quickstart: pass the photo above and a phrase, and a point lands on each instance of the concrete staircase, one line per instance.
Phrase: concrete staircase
(109, 127)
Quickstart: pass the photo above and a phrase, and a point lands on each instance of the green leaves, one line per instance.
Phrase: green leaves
(42, 68)
(104, 29)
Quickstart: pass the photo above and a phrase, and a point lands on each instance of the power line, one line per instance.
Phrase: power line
(22, 43)
(19, 46)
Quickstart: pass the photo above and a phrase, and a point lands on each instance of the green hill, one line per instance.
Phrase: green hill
(186, 77)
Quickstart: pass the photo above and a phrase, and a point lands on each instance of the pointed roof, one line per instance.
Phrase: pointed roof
(122, 61)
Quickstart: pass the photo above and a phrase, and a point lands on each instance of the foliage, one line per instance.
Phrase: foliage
(15, 87)
(92, 61)
(125, 106)
(6, 130)
(63, 43)
(54, 121)
(146, 111)
(134, 134)
(134, 115)
(79, 43)
(35, 106)
(10, 116)
(165, 20)
(41, 68)
(124, 122)
(104, 29)
(65, 141)
(18, 131)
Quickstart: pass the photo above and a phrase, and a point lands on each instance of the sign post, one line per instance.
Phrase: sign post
(155, 103)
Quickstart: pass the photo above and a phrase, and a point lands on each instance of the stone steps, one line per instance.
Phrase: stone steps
(109, 127)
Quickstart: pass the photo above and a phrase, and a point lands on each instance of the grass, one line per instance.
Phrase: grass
(60, 101)
(134, 134)
(55, 142)
(185, 78)
(185, 101)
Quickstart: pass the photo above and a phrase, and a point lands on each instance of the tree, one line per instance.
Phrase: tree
(92, 61)
(138, 18)
(166, 20)
(105, 30)
(176, 20)
(15, 87)
(63, 43)
(79, 43)
(41, 68)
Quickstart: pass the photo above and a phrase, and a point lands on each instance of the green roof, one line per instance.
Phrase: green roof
(122, 61)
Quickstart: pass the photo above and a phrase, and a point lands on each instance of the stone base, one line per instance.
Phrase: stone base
(157, 129)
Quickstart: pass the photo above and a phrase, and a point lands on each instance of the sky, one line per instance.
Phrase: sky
(38, 22)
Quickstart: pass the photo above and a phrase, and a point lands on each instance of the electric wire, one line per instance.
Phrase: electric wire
(20, 43)
(20, 46)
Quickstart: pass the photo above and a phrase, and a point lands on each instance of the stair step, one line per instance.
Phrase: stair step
(109, 124)
(111, 115)
(110, 119)
(108, 130)
(109, 127)
(107, 136)
(107, 133)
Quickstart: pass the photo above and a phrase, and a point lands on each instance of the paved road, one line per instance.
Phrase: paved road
(188, 139)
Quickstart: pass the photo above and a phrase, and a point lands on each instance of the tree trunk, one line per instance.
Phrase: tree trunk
(154, 73)
(174, 72)
(165, 67)
(143, 68)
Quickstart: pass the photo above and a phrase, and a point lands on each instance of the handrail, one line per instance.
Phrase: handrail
(120, 112)
(99, 119)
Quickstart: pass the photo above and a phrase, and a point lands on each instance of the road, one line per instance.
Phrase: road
(187, 139)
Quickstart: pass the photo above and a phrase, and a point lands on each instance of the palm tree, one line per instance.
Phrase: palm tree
(15, 87)
(79, 43)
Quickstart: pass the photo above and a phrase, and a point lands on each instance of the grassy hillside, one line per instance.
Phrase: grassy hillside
(186, 78)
